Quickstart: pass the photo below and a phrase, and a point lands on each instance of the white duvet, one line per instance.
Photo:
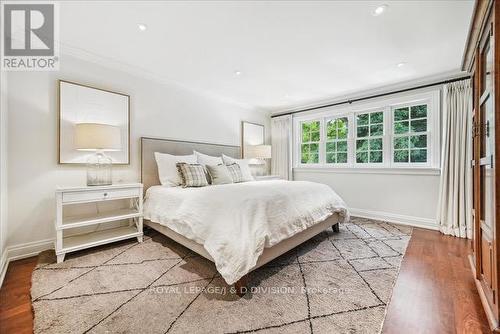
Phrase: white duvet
(235, 222)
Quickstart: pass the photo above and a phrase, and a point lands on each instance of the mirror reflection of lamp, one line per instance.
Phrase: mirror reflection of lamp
(258, 154)
(99, 138)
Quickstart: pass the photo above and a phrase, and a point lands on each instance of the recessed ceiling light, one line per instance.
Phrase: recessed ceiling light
(142, 27)
(401, 64)
(380, 10)
(237, 73)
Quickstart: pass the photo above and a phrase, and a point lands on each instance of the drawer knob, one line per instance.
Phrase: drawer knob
(105, 194)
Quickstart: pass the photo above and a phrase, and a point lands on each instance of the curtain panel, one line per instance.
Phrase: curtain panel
(281, 142)
(454, 214)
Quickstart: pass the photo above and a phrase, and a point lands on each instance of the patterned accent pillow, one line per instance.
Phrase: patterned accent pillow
(235, 172)
(192, 175)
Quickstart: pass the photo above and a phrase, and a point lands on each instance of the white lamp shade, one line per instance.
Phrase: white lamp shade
(258, 151)
(95, 136)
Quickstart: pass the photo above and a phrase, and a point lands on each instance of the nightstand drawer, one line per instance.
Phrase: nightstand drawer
(99, 195)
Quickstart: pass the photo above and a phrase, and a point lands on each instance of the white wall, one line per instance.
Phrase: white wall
(157, 110)
(404, 196)
(3, 176)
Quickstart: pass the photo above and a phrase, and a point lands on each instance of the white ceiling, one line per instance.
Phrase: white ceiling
(289, 53)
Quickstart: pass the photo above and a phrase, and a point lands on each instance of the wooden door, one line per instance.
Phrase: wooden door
(484, 151)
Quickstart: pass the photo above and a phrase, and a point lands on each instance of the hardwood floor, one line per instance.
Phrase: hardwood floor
(435, 292)
(15, 302)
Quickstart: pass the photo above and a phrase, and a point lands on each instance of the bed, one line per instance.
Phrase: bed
(241, 226)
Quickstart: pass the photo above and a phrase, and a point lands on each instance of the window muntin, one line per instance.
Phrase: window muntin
(369, 137)
(310, 142)
(337, 130)
(410, 134)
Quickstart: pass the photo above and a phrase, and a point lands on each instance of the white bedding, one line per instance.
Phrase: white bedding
(235, 222)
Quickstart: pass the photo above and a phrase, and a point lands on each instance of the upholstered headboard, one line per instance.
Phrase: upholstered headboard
(149, 170)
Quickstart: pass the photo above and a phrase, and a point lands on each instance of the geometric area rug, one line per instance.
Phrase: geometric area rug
(333, 283)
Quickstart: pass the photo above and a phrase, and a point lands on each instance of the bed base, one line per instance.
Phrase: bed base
(268, 255)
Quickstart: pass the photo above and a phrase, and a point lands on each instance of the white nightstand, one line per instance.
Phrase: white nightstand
(79, 195)
(268, 177)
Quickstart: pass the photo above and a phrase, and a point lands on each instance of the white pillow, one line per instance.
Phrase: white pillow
(204, 159)
(244, 166)
(167, 169)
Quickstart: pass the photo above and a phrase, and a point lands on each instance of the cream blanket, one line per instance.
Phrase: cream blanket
(235, 222)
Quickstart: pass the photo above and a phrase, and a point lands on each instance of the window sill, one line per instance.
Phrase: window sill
(369, 170)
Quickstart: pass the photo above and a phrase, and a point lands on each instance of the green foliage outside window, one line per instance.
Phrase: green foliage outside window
(410, 134)
(369, 148)
(336, 136)
(309, 149)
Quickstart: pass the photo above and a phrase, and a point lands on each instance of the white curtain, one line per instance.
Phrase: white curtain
(281, 146)
(455, 190)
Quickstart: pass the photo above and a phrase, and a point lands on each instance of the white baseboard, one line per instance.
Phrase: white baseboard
(4, 263)
(22, 251)
(426, 223)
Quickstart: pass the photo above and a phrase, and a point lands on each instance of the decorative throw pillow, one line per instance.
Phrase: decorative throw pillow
(204, 159)
(235, 172)
(167, 169)
(243, 163)
(219, 174)
(192, 175)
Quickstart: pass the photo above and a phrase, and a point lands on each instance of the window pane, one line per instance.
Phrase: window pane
(400, 142)
(341, 158)
(362, 145)
(313, 158)
(314, 148)
(419, 126)
(376, 156)
(362, 157)
(330, 158)
(331, 130)
(419, 111)
(418, 141)
(342, 146)
(418, 156)
(315, 126)
(304, 151)
(377, 130)
(400, 127)
(376, 117)
(330, 147)
(401, 156)
(306, 135)
(362, 131)
(342, 128)
(362, 119)
(376, 144)
(314, 136)
(401, 114)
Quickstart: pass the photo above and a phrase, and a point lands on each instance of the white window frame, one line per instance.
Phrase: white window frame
(320, 143)
(387, 105)
(348, 139)
(410, 133)
(383, 137)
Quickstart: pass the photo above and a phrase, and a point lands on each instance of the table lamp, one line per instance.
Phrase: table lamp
(99, 138)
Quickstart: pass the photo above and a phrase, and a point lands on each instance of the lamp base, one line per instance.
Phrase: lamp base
(99, 170)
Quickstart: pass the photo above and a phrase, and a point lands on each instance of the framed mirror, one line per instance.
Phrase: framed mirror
(81, 104)
(251, 134)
